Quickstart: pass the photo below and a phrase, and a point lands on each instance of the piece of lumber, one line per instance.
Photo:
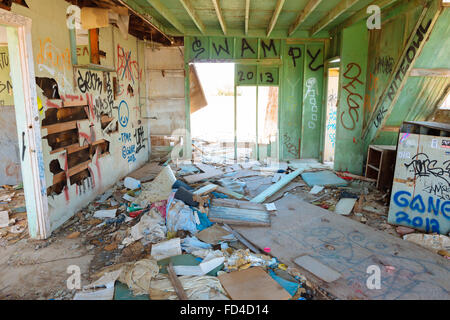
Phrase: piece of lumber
(60, 127)
(179, 290)
(241, 238)
(208, 172)
(229, 192)
(206, 189)
(354, 176)
(277, 186)
(231, 203)
(242, 217)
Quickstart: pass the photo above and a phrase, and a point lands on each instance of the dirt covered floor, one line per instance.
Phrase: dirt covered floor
(140, 229)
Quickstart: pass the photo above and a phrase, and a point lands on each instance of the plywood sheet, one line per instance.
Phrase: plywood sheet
(348, 247)
(252, 284)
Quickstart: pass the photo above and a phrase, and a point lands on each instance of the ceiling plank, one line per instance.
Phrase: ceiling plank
(276, 14)
(332, 15)
(220, 16)
(309, 8)
(191, 11)
(247, 15)
(167, 14)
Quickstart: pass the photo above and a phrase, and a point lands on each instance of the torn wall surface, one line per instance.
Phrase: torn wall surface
(92, 130)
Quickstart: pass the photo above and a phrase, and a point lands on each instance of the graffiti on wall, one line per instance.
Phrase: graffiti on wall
(350, 115)
(6, 97)
(56, 62)
(311, 94)
(127, 68)
(383, 65)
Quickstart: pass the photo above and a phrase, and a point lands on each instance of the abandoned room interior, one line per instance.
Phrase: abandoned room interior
(224, 149)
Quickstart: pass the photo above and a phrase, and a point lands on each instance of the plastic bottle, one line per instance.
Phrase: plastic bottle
(131, 183)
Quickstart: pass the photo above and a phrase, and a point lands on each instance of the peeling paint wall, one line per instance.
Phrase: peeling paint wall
(92, 130)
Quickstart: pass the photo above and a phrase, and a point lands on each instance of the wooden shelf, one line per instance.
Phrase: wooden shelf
(380, 165)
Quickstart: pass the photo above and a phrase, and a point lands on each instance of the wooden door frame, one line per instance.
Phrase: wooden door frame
(28, 122)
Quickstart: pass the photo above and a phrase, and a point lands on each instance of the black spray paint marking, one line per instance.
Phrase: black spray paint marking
(197, 47)
(225, 49)
(269, 47)
(295, 53)
(246, 46)
(408, 59)
(314, 58)
(91, 81)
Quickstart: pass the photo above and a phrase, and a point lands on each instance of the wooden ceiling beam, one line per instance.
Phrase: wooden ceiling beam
(191, 11)
(247, 15)
(332, 15)
(220, 16)
(167, 14)
(276, 14)
(309, 8)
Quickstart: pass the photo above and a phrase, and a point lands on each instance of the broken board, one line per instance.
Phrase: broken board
(349, 247)
(323, 178)
(208, 172)
(252, 284)
(239, 212)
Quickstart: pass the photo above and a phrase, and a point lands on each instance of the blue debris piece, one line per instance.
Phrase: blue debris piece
(323, 178)
(289, 286)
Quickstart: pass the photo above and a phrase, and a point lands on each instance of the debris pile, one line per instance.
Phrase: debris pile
(13, 215)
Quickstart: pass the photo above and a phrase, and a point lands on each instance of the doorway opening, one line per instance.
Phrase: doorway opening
(239, 121)
(330, 130)
(212, 126)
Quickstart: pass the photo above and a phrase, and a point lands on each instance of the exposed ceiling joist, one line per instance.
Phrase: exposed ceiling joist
(275, 16)
(309, 8)
(220, 16)
(167, 14)
(362, 14)
(247, 15)
(332, 15)
(191, 11)
(140, 12)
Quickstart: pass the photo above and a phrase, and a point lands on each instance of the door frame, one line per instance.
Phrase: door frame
(28, 122)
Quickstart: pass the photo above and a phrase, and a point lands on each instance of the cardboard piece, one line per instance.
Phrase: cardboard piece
(92, 18)
(214, 235)
(252, 284)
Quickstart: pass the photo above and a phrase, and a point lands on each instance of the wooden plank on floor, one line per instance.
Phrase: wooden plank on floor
(236, 216)
(349, 247)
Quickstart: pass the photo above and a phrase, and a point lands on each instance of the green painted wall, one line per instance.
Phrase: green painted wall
(290, 123)
(312, 126)
(349, 152)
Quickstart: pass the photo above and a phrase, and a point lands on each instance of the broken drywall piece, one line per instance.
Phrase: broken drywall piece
(316, 190)
(107, 280)
(103, 214)
(271, 206)
(317, 268)
(199, 270)
(345, 206)
(239, 216)
(208, 172)
(252, 284)
(160, 188)
(166, 249)
(323, 178)
(4, 219)
(103, 294)
(277, 186)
